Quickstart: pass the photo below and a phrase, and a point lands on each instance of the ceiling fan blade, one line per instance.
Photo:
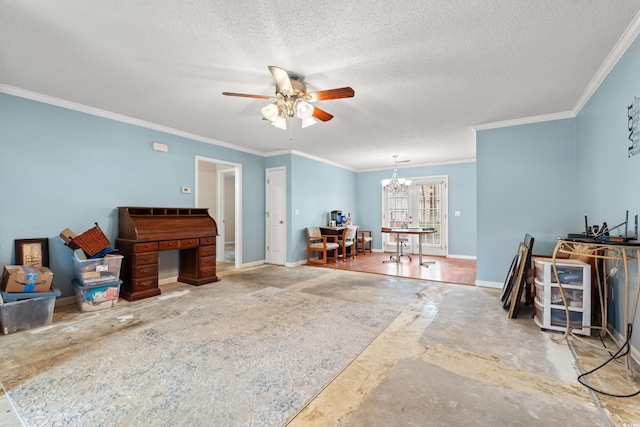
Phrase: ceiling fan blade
(321, 114)
(324, 95)
(283, 84)
(245, 95)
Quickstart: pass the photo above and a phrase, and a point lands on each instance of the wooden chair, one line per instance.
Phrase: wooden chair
(320, 245)
(347, 242)
(365, 240)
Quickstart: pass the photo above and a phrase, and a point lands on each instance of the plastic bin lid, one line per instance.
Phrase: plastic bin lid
(12, 296)
(82, 287)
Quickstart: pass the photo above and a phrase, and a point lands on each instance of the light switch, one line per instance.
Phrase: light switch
(186, 190)
(457, 213)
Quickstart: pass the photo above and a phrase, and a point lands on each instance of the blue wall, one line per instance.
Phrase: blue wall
(61, 168)
(527, 183)
(608, 176)
(316, 189)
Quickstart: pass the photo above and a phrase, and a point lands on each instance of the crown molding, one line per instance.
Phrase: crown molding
(525, 120)
(628, 36)
(419, 165)
(623, 43)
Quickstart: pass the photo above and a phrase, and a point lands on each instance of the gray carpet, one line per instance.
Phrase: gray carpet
(253, 360)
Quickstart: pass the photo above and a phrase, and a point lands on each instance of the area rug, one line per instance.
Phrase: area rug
(253, 360)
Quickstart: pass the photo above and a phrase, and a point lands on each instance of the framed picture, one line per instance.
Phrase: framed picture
(32, 252)
(519, 284)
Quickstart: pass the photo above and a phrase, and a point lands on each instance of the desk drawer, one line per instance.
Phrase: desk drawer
(145, 283)
(145, 247)
(169, 244)
(207, 241)
(188, 243)
(208, 272)
(207, 262)
(207, 250)
(145, 258)
(145, 270)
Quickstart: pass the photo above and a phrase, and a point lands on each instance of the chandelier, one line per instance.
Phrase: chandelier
(396, 185)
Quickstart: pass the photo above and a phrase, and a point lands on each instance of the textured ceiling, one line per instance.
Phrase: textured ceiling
(424, 72)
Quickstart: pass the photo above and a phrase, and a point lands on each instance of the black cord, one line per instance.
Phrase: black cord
(618, 354)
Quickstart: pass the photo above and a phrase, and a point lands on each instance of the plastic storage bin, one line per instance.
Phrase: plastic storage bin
(95, 271)
(22, 311)
(97, 297)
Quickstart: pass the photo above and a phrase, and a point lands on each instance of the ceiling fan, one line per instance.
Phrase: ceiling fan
(293, 101)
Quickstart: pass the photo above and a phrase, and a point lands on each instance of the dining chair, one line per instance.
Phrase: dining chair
(365, 241)
(347, 242)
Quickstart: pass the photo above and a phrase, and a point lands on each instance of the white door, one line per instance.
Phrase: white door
(424, 205)
(276, 215)
(429, 210)
(395, 214)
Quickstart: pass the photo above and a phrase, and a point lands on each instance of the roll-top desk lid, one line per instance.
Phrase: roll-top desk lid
(150, 223)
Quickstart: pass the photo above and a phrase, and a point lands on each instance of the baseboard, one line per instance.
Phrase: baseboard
(252, 264)
(486, 284)
(167, 280)
(295, 264)
(62, 302)
(462, 256)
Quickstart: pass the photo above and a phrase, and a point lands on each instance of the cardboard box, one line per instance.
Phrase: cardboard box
(67, 235)
(22, 278)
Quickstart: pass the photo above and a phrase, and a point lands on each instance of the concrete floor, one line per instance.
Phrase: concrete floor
(451, 358)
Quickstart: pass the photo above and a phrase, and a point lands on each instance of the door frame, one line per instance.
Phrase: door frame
(388, 239)
(237, 170)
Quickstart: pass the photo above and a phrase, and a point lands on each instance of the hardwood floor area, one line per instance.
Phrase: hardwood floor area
(443, 269)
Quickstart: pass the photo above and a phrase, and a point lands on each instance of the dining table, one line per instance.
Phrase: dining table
(409, 230)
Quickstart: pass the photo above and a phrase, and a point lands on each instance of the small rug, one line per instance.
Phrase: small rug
(254, 360)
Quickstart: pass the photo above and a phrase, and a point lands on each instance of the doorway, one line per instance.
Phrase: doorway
(218, 188)
(424, 205)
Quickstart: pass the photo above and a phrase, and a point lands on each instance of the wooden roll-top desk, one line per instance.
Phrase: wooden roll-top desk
(144, 231)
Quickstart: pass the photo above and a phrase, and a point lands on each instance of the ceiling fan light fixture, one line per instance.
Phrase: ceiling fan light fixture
(271, 112)
(309, 121)
(280, 122)
(303, 109)
(292, 101)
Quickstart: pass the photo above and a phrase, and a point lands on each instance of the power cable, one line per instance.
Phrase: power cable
(616, 355)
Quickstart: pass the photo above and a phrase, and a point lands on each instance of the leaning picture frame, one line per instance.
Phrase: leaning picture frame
(519, 284)
(32, 252)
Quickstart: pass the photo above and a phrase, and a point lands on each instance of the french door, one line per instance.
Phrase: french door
(424, 205)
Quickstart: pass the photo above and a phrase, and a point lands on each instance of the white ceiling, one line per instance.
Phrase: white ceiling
(424, 72)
